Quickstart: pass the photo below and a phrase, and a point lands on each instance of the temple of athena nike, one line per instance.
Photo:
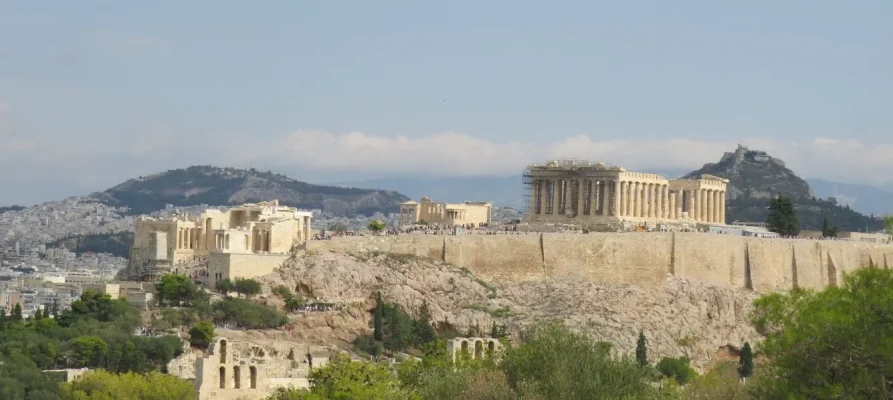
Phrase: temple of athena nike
(587, 193)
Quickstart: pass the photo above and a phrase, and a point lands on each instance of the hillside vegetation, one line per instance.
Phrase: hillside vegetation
(116, 244)
(226, 186)
(756, 177)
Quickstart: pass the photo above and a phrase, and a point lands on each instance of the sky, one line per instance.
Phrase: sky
(96, 92)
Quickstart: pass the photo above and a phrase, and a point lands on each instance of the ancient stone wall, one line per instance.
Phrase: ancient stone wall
(764, 265)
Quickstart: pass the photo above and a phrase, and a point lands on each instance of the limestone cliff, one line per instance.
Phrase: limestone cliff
(222, 186)
(755, 177)
(679, 318)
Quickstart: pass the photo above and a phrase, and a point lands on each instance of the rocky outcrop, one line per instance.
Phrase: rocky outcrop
(679, 318)
(755, 177)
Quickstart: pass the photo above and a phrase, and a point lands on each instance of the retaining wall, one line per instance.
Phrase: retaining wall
(637, 258)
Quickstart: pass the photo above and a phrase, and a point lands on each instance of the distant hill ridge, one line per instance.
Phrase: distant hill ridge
(224, 186)
(755, 178)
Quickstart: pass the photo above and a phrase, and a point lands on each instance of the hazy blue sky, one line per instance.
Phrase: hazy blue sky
(95, 92)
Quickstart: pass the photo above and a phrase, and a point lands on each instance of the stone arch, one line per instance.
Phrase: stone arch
(478, 348)
(237, 378)
(223, 377)
(464, 346)
(223, 351)
(491, 345)
(252, 373)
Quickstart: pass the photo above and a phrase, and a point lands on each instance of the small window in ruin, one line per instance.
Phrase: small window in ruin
(252, 371)
(223, 377)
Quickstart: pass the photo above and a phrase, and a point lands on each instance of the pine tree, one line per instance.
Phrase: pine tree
(745, 363)
(55, 309)
(2, 319)
(642, 350)
(38, 315)
(378, 317)
(782, 217)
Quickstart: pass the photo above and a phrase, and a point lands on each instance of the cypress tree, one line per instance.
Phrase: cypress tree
(377, 332)
(2, 319)
(38, 315)
(17, 313)
(745, 362)
(642, 350)
(55, 309)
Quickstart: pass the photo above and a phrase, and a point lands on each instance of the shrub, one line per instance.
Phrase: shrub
(676, 368)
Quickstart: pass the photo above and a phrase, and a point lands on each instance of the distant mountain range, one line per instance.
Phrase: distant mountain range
(863, 198)
(223, 186)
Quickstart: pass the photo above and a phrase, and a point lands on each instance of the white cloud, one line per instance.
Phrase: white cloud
(96, 165)
(844, 160)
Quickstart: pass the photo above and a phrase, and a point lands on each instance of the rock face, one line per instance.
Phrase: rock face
(755, 178)
(680, 318)
(756, 174)
(221, 186)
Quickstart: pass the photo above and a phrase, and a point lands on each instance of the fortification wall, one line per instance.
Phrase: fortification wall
(763, 265)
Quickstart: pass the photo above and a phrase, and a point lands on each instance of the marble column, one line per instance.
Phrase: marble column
(665, 200)
(627, 199)
(581, 199)
(692, 204)
(553, 208)
(543, 195)
(722, 209)
(606, 199)
(672, 206)
(634, 200)
(702, 203)
(717, 207)
(640, 201)
(615, 196)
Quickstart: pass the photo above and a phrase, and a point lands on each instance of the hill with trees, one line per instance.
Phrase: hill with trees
(755, 178)
(210, 185)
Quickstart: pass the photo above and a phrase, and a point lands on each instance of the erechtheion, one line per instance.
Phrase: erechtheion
(586, 191)
(429, 211)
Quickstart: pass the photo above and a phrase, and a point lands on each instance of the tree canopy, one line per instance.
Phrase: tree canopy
(102, 385)
(782, 217)
(837, 343)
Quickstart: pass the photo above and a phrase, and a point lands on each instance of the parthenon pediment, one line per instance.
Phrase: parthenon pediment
(713, 178)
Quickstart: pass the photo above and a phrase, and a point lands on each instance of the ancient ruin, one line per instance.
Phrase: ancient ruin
(595, 193)
(468, 213)
(259, 234)
(243, 370)
(473, 347)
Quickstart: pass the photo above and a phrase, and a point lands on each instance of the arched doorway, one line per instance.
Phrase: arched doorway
(478, 349)
(223, 377)
(237, 378)
(252, 371)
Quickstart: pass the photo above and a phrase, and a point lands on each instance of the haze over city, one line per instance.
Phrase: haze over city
(93, 93)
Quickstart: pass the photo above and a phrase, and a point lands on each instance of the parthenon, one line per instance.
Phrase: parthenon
(586, 191)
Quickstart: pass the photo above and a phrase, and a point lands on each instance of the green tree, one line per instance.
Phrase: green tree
(557, 363)
(828, 230)
(677, 369)
(54, 310)
(176, 290)
(2, 319)
(102, 385)
(343, 379)
(87, 351)
(829, 344)
(16, 313)
(745, 363)
(246, 287)
(888, 224)
(642, 350)
(225, 286)
(782, 217)
(248, 314)
(376, 226)
(378, 319)
(201, 334)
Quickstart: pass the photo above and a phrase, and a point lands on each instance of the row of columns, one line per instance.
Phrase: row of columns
(222, 241)
(189, 239)
(589, 197)
(261, 240)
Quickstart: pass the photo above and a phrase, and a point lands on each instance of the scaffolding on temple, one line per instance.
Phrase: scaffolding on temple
(526, 182)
